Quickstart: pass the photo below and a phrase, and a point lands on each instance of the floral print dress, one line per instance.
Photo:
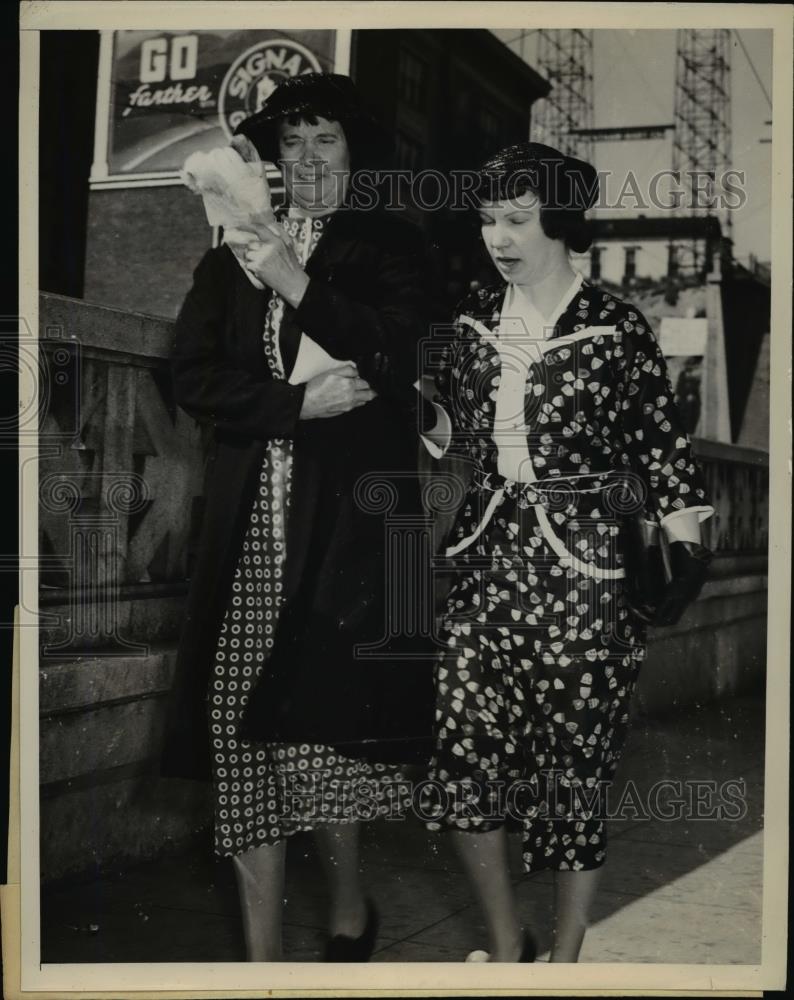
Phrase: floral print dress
(566, 422)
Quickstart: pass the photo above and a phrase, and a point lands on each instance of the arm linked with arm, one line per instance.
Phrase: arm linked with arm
(381, 335)
(435, 411)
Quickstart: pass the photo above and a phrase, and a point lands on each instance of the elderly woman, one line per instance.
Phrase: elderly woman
(304, 734)
(557, 395)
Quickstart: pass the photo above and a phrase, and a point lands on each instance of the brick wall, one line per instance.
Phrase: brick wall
(142, 246)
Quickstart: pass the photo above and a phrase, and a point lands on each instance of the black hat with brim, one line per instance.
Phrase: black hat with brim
(325, 95)
(561, 182)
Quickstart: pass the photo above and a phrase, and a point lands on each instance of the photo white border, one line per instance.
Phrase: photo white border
(244, 979)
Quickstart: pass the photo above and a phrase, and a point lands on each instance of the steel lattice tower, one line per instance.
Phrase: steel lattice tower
(565, 57)
(702, 140)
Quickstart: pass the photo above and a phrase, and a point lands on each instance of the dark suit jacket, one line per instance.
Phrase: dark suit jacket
(367, 302)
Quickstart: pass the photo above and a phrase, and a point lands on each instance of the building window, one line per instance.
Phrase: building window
(412, 80)
(489, 126)
(408, 152)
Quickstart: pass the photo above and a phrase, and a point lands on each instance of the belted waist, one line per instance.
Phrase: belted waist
(551, 494)
(554, 495)
(553, 491)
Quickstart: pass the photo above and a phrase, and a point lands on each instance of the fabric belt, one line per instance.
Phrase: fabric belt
(550, 488)
(540, 495)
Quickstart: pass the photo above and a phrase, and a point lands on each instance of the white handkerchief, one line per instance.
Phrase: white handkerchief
(312, 360)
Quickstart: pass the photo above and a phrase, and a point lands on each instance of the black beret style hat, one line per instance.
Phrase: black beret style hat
(562, 182)
(328, 95)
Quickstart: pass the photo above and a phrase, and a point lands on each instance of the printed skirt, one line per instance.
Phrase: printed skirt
(541, 656)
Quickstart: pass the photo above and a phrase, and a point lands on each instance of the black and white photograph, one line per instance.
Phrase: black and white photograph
(404, 463)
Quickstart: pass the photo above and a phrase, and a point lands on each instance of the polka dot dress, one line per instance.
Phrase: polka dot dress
(541, 650)
(265, 792)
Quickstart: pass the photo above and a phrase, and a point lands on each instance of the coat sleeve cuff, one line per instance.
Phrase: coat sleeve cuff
(280, 416)
(703, 512)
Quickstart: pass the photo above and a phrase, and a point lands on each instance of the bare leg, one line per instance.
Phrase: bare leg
(338, 848)
(260, 883)
(485, 858)
(573, 897)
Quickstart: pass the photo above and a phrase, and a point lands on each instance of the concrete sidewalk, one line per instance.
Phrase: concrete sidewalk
(679, 890)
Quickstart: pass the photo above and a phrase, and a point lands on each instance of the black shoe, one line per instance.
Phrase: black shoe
(530, 950)
(341, 948)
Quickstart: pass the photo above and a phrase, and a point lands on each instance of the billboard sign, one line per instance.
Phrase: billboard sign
(172, 93)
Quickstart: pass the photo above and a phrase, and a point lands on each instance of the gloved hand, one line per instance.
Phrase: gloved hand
(648, 589)
(645, 568)
(689, 563)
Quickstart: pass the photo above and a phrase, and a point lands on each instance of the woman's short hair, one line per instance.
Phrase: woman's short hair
(569, 226)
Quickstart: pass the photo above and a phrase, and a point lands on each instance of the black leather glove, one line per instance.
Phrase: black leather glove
(689, 563)
(645, 568)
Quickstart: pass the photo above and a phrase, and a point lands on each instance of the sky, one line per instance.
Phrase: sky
(633, 84)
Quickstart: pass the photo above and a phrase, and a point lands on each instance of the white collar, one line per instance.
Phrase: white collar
(516, 302)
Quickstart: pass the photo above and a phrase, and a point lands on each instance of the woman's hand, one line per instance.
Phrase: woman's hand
(272, 259)
(335, 393)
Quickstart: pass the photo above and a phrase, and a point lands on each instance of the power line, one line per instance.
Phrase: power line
(752, 67)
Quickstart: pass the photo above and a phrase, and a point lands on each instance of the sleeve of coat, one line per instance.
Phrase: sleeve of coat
(442, 360)
(207, 385)
(382, 335)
